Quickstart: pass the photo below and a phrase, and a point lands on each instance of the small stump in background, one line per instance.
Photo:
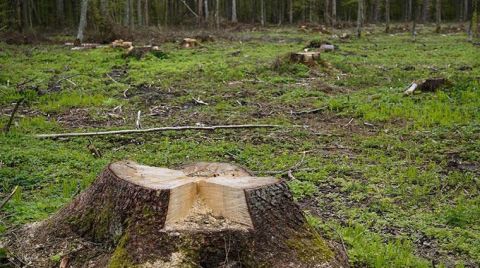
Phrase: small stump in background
(189, 43)
(308, 58)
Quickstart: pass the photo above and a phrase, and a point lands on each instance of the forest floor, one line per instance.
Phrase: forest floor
(395, 178)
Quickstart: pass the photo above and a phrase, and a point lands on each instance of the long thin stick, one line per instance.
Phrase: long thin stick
(6, 129)
(158, 129)
(4, 202)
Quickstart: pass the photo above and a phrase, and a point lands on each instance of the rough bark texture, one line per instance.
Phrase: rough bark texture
(116, 223)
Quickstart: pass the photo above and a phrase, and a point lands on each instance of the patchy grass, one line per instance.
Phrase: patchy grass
(395, 178)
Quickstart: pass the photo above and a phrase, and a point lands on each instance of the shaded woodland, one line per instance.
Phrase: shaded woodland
(103, 15)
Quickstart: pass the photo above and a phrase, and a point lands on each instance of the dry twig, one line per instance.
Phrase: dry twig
(4, 202)
(158, 129)
(6, 129)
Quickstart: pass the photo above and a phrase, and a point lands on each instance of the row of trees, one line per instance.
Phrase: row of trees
(25, 15)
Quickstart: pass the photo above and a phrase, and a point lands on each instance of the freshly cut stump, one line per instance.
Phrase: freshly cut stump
(202, 215)
(189, 43)
(305, 57)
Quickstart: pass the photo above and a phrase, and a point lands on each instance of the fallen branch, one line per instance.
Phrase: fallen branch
(6, 129)
(158, 129)
(138, 123)
(411, 89)
(199, 101)
(111, 78)
(4, 202)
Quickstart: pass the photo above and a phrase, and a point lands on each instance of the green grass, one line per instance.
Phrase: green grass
(397, 193)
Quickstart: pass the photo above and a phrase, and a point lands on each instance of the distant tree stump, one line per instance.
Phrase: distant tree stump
(305, 57)
(189, 43)
(204, 215)
(122, 44)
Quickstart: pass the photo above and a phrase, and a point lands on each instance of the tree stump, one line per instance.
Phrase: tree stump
(202, 215)
(310, 57)
(189, 43)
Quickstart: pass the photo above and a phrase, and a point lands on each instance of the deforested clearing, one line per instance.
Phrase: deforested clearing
(239, 134)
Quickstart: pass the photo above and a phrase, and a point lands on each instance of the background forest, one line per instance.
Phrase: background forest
(103, 15)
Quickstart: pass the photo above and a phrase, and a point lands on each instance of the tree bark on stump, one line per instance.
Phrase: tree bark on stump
(203, 215)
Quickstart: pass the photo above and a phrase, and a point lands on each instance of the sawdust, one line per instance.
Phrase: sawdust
(201, 217)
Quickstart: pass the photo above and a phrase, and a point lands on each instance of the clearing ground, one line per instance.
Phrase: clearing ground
(394, 178)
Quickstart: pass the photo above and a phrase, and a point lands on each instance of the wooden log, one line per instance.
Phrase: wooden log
(200, 215)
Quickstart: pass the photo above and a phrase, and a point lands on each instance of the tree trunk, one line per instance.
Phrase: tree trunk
(18, 13)
(132, 19)
(376, 11)
(290, 11)
(207, 15)
(139, 13)
(438, 15)
(147, 17)
(334, 12)
(414, 20)
(217, 13)
(387, 16)
(200, 11)
(126, 21)
(465, 10)
(234, 11)
(104, 8)
(409, 10)
(474, 21)
(360, 12)
(204, 215)
(326, 13)
(310, 13)
(83, 20)
(25, 15)
(426, 11)
(262, 12)
(60, 12)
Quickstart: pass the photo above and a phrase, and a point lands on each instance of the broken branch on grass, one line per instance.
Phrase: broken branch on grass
(138, 123)
(349, 122)
(158, 129)
(67, 78)
(4, 202)
(199, 101)
(111, 78)
(411, 89)
(6, 129)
